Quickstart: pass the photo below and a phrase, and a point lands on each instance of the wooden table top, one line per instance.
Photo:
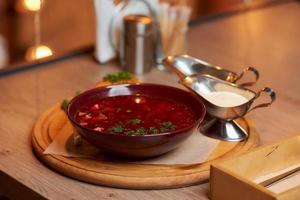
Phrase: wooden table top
(266, 38)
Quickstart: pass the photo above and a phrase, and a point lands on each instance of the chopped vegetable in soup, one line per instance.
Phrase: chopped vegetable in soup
(135, 115)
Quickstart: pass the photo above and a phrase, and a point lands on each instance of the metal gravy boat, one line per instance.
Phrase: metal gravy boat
(223, 125)
(184, 65)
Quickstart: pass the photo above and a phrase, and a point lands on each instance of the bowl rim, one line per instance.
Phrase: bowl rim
(198, 121)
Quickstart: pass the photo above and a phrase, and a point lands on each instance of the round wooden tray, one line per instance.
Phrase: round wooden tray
(127, 175)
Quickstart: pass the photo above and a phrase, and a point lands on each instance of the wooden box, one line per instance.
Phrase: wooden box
(268, 172)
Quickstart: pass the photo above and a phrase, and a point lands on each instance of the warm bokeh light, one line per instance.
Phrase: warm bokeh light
(137, 100)
(32, 5)
(38, 52)
(29, 5)
(188, 80)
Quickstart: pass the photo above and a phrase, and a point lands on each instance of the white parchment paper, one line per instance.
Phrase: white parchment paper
(195, 149)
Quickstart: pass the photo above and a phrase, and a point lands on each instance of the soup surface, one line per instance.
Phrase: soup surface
(135, 115)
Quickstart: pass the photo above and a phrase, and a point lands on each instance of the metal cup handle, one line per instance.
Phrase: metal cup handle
(248, 69)
(268, 91)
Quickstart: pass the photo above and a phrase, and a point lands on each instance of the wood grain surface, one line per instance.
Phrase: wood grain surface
(128, 175)
(267, 38)
(253, 174)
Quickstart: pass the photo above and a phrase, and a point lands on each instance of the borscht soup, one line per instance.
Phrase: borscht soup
(135, 115)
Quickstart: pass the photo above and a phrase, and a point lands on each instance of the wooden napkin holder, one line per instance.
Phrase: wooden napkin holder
(236, 178)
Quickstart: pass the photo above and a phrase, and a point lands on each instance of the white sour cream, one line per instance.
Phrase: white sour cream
(225, 99)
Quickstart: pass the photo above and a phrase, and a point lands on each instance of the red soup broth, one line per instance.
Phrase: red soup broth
(135, 115)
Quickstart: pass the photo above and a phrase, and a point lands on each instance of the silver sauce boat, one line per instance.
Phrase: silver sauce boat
(185, 65)
(223, 125)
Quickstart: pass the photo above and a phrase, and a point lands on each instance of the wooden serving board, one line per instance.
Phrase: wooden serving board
(127, 175)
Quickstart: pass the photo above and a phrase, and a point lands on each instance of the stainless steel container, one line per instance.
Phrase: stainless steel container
(185, 65)
(137, 44)
(223, 125)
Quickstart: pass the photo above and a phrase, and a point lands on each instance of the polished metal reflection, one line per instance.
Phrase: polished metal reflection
(121, 6)
(224, 130)
(138, 47)
(224, 125)
(184, 65)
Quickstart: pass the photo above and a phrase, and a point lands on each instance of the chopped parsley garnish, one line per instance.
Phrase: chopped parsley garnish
(64, 104)
(153, 130)
(130, 132)
(163, 129)
(167, 126)
(140, 131)
(134, 121)
(120, 127)
(116, 128)
(120, 76)
(124, 75)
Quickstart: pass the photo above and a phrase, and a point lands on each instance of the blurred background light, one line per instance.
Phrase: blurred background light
(29, 5)
(32, 5)
(38, 52)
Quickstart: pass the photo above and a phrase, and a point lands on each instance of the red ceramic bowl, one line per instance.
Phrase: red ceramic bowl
(137, 146)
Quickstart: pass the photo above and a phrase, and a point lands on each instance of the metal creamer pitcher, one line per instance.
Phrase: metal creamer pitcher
(223, 125)
(185, 65)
